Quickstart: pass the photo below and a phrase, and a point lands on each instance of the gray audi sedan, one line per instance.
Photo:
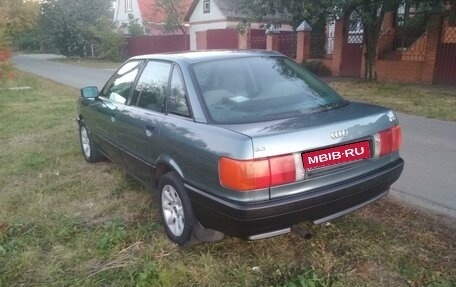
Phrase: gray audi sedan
(243, 143)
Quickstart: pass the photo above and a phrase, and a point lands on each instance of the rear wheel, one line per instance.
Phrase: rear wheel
(175, 209)
(89, 149)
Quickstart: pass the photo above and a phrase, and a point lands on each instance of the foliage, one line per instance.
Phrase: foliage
(308, 279)
(16, 16)
(115, 233)
(369, 12)
(317, 67)
(147, 276)
(134, 28)
(175, 12)
(76, 28)
(68, 22)
(6, 70)
(109, 41)
(28, 40)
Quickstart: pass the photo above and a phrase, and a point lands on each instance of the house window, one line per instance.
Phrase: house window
(128, 5)
(206, 6)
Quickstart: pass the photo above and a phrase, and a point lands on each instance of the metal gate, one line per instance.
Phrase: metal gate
(352, 52)
(222, 39)
(446, 57)
(287, 43)
(352, 48)
(258, 39)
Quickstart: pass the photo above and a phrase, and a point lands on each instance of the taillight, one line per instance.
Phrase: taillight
(246, 175)
(283, 169)
(390, 140)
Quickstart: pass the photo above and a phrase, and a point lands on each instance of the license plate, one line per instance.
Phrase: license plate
(336, 155)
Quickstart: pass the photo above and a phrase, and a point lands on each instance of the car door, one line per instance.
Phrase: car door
(140, 122)
(107, 107)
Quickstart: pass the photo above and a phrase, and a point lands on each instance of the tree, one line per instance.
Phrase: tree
(174, 11)
(16, 16)
(68, 22)
(110, 42)
(369, 12)
(134, 28)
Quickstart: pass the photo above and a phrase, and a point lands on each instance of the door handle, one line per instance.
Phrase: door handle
(149, 130)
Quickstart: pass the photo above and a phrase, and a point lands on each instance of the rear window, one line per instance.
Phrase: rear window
(257, 89)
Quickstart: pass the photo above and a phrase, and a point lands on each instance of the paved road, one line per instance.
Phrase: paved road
(73, 76)
(429, 150)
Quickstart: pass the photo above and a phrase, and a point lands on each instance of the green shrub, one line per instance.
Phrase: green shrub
(110, 42)
(317, 67)
(308, 279)
(114, 234)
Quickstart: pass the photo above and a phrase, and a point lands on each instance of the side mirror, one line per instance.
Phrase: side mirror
(89, 92)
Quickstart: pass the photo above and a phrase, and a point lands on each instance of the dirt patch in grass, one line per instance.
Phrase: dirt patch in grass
(64, 222)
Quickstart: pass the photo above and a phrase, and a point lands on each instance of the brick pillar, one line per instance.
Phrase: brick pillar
(201, 40)
(244, 40)
(337, 50)
(303, 46)
(272, 42)
(432, 44)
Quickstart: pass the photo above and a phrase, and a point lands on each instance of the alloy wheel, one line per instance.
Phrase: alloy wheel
(173, 211)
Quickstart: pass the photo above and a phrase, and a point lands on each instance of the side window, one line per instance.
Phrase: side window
(121, 82)
(206, 6)
(177, 102)
(150, 91)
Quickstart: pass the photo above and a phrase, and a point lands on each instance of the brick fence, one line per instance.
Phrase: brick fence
(411, 60)
(416, 62)
(157, 44)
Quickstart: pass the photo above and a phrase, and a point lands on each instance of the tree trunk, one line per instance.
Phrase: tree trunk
(372, 33)
(371, 53)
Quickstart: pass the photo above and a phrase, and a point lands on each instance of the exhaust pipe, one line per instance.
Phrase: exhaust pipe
(301, 232)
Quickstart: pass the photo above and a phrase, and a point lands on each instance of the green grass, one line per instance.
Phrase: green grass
(436, 102)
(64, 222)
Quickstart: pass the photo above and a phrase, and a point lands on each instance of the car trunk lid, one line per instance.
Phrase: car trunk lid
(350, 124)
(317, 130)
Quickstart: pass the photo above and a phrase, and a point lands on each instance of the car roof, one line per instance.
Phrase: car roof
(202, 56)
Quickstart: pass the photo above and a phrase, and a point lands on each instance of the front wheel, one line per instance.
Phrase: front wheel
(175, 209)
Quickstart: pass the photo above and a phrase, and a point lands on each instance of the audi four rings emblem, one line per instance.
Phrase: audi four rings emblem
(339, 134)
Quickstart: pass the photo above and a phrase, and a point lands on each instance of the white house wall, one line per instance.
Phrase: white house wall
(121, 16)
(200, 21)
(198, 15)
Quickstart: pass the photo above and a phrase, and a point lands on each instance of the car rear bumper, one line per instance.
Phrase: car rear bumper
(276, 215)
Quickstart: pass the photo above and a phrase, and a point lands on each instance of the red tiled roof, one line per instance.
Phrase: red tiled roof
(150, 13)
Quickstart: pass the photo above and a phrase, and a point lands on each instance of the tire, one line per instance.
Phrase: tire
(175, 209)
(88, 147)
